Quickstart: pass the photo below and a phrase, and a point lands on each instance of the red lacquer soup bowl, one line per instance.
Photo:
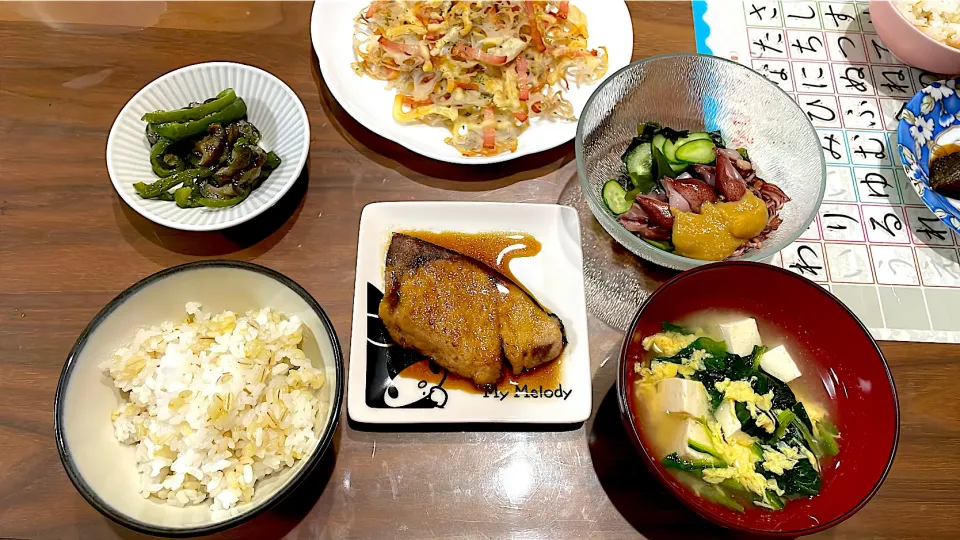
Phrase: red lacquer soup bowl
(842, 355)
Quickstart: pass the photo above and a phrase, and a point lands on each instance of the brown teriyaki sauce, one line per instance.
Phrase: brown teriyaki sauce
(496, 250)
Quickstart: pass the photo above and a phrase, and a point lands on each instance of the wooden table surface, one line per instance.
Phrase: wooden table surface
(68, 245)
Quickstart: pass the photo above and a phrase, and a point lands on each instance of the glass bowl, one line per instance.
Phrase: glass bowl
(698, 92)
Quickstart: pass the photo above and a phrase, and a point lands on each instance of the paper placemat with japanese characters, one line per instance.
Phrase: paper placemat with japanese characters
(874, 244)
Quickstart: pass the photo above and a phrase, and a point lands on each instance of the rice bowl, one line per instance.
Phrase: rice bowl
(105, 471)
(939, 19)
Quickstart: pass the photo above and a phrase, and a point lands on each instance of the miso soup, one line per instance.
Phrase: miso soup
(735, 410)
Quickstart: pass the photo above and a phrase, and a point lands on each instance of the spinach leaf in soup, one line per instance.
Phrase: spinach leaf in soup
(756, 355)
(747, 423)
(801, 480)
(784, 419)
(674, 461)
(771, 500)
(670, 327)
(801, 412)
(739, 368)
(827, 434)
(783, 397)
(716, 349)
(793, 436)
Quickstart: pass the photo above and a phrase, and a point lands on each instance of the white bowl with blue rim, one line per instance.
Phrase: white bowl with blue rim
(930, 119)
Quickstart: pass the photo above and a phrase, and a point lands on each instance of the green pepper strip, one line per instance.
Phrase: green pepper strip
(160, 168)
(221, 203)
(176, 131)
(272, 161)
(183, 197)
(223, 99)
(150, 191)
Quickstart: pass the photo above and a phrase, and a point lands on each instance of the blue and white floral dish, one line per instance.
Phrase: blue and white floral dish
(930, 119)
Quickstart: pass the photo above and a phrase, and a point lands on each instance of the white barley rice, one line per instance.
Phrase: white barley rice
(215, 403)
(939, 19)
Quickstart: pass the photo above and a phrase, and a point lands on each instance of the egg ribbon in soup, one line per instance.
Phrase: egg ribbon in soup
(724, 415)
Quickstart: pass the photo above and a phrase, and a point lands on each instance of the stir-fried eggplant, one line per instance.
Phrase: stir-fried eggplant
(210, 147)
(207, 153)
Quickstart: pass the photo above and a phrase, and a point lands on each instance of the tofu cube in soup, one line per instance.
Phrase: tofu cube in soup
(681, 396)
(726, 416)
(778, 363)
(693, 435)
(740, 336)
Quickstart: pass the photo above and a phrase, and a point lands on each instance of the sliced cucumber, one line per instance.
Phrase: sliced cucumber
(678, 167)
(658, 141)
(695, 136)
(698, 151)
(615, 197)
(639, 161)
(666, 166)
(660, 244)
(670, 150)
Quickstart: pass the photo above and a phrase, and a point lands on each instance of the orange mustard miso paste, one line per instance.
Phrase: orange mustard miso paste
(719, 229)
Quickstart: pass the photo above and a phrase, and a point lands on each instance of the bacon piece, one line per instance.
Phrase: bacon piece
(489, 129)
(472, 53)
(534, 29)
(523, 83)
(395, 47)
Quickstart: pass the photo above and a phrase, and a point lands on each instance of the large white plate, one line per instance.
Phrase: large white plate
(370, 103)
(554, 277)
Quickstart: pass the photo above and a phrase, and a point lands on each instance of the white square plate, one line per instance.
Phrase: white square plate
(376, 395)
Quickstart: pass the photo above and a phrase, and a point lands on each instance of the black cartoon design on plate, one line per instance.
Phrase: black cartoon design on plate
(385, 361)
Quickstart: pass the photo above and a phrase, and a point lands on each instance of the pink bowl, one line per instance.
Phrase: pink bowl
(845, 357)
(909, 43)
